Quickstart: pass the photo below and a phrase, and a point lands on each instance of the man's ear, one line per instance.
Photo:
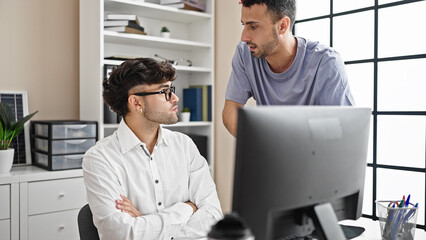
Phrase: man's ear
(134, 103)
(284, 24)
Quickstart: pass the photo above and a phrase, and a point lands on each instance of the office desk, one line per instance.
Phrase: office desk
(372, 229)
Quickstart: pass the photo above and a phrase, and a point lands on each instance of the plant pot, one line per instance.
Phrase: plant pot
(185, 116)
(6, 160)
(165, 34)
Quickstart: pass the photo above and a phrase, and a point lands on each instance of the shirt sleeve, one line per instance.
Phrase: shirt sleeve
(203, 194)
(238, 89)
(334, 88)
(103, 188)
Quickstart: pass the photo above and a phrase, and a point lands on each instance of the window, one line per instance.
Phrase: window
(381, 43)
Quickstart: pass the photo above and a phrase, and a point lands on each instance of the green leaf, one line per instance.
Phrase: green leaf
(6, 115)
(18, 126)
(1, 130)
(9, 127)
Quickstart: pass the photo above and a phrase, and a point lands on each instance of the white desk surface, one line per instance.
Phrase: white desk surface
(372, 229)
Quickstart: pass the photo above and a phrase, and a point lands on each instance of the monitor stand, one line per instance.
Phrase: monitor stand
(326, 225)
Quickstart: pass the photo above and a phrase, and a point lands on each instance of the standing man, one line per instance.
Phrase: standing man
(144, 181)
(276, 68)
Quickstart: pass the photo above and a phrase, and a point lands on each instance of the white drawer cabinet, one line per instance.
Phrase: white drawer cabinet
(4, 201)
(5, 212)
(57, 225)
(55, 195)
(40, 204)
(5, 229)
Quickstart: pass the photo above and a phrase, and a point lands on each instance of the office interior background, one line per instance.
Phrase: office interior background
(381, 42)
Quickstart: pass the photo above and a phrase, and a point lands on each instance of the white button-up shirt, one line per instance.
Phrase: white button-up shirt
(158, 184)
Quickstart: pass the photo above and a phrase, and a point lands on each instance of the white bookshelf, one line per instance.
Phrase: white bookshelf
(192, 37)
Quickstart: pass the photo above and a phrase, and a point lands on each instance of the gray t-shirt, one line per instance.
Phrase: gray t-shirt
(316, 77)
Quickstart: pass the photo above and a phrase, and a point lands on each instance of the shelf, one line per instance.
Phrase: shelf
(178, 68)
(151, 10)
(176, 125)
(152, 41)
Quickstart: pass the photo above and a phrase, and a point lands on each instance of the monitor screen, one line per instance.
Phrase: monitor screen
(290, 159)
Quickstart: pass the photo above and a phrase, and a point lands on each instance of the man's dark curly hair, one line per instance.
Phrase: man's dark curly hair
(277, 8)
(131, 73)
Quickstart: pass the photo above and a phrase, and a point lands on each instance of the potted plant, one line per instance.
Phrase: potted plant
(165, 33)
(9, 129)
(185, 115)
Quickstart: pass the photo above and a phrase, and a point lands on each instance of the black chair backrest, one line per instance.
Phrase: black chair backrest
(86, 228)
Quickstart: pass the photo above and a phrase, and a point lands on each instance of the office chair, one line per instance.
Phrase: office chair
(86, 228)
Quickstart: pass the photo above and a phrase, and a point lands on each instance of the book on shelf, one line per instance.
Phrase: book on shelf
(193, 99)
(121, 16)
(117, 23)
(125, 29)
(206, 101)
(123, 23)
(120, 57)
(195, 5)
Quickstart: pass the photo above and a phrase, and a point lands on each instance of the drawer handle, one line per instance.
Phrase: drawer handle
(61, 227)
(61, 195)
(76, 126)
(75, 142)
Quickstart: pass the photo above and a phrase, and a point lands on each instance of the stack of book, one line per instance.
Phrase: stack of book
(123, 22)
(195, 5)
(199, 101)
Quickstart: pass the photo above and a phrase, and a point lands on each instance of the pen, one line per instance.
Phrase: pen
(397, 222)
(388, 224)
(408, 200)
(410, 213)
(402, 202)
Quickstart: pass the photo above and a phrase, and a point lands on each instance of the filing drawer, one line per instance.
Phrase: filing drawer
(64, 146)
(59, 162)
(4, 229)
(60, 225)
(4, 202)
(62, 130)
(58, 195)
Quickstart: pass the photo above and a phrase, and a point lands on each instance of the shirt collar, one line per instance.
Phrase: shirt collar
(128, 140)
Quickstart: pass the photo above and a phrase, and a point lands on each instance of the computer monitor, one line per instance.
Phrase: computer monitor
(291, 159)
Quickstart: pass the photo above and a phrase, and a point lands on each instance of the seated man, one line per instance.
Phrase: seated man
(144, 181)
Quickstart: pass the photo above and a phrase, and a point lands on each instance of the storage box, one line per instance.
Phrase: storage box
(60, 145)
(57, 162)
(65, 130)
(63, 146)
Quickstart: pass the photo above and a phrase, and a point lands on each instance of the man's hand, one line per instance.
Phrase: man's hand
(230, 116)
(126, 205)
(194, 208)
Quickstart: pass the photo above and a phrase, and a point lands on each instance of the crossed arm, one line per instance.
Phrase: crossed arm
(125, 205)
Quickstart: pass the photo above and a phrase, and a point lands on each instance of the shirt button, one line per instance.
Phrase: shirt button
(159, 203)
(172, 238)
(151, 158)
(156, 181)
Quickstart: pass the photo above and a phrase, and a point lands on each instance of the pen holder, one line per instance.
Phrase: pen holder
(396, 223)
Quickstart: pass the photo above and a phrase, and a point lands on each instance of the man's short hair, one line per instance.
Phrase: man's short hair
(277, 8)
(131, 73)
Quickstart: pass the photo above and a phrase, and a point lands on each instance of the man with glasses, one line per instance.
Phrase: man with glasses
(144, 181)
(276, 68)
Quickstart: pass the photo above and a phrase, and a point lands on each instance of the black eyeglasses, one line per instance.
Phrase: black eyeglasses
(167, 93)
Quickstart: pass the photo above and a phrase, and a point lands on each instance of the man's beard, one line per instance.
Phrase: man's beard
(266, 48)
(160, 117)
